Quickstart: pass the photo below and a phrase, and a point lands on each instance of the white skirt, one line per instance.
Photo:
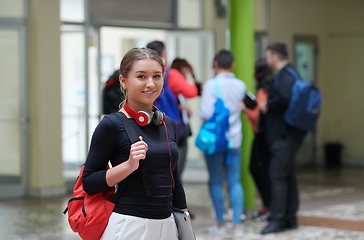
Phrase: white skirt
(125, 227)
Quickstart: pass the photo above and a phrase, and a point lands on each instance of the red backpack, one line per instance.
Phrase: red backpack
(88, 214)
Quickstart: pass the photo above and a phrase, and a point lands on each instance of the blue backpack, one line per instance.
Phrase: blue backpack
(305, 103)
(167, 103)
(211, 137)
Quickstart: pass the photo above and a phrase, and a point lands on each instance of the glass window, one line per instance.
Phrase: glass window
(10, 148)
(10, 137)
(9, 69)
(73, 96)
(13, 8)
(305, 59)
(72, 10)
(197, 48)
(261, 43)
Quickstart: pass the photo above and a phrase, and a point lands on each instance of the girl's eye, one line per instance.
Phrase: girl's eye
(157, 76)
(141, 76)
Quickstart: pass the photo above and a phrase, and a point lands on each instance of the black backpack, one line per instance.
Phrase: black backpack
(111, 94)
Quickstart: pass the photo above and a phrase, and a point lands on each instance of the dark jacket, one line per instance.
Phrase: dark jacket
(278, 100)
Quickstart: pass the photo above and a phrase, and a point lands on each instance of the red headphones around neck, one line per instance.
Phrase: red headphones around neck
(143, 118)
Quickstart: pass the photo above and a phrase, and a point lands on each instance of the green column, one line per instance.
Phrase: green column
(241, 22)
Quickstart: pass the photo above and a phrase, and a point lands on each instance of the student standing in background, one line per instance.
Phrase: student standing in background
(219, 165)
(259, 160)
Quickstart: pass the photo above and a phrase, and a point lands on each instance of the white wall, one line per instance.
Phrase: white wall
(343, 78)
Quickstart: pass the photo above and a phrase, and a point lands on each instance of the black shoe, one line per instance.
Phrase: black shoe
(291, 226)
(272, 228)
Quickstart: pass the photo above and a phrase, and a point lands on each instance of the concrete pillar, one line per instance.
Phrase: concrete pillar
(241, 22)
(45, 123)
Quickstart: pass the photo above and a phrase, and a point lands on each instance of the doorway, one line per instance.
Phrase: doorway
(197, 48)
(13, 120)
(305, 60)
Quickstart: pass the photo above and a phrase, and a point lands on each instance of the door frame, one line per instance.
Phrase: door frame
(312, 145)
(195, 168)
(20, 189)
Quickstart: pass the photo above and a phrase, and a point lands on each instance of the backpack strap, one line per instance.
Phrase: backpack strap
(217, 88)
(293, 73)
(229, 146)
(288, 69)
(133, 137)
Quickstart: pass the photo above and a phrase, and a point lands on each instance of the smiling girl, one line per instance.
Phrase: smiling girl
(138, 215)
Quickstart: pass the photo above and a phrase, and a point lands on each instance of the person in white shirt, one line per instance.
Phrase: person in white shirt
(226, 163)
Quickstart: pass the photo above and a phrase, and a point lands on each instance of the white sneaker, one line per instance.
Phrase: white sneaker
(219, 231)
(228, 216)
(238, 231)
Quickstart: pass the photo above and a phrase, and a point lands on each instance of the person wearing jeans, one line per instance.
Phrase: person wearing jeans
(225, 165)
(218, 168)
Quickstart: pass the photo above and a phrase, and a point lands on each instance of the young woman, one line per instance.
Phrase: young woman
(136, 214)
(184, 67)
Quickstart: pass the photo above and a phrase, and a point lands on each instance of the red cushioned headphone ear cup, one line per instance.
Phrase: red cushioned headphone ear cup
(143, 118)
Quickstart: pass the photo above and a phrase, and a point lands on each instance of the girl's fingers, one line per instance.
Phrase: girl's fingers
(137, 152)
(138, 156)
(140, 147)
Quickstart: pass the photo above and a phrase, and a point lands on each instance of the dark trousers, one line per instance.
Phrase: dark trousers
(282, 173)
(259, 167)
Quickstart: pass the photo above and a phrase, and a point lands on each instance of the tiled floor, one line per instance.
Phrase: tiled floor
(346, 211)
(325, 194)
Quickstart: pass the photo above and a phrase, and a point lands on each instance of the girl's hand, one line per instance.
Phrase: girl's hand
(138, 151)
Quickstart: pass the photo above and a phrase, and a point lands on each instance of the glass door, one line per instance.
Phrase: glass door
(13, 120)
(198, 48)
(305, 54)
(73, 99)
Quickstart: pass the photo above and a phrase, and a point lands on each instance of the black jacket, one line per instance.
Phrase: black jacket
(278, 100)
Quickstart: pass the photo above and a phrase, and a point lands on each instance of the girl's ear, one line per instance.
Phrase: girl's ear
(122, 81)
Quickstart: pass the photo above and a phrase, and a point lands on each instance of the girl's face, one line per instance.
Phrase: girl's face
(144, 82)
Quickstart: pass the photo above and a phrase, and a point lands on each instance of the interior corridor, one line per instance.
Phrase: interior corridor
(332, 208)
